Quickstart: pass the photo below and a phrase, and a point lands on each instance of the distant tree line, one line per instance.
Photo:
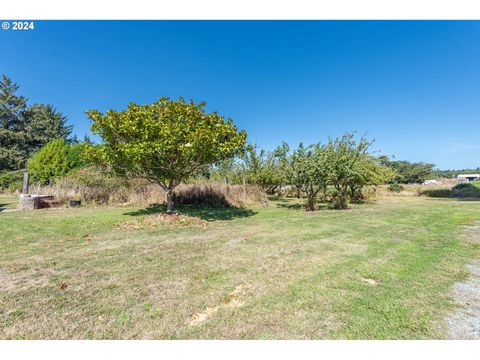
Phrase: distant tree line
(449, 174)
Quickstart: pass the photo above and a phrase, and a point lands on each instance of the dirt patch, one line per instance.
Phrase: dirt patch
(371, 281)
(234, 299)
(237, 297)
(161, 220)
(200, 316)
(464, 323)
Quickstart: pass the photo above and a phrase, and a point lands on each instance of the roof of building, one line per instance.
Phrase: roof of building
(468, 175)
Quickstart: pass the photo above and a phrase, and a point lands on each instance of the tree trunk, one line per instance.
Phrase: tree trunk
(311, 202)
(342, 200)
(169, 201)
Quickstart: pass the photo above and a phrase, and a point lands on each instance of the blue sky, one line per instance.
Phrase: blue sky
(414, 86)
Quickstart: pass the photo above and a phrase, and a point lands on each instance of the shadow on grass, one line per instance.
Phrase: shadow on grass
(4, 206)
(299, 206)
(291, 206)
(277, 198)
(202, 212)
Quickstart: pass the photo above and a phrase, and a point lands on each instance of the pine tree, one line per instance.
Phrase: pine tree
(25, 129)
(12, 108)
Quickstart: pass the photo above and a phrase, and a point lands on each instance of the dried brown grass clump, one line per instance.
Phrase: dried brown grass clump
(219, 195)
(160, 220)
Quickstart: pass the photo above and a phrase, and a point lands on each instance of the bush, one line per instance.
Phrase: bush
(97, 185)
(54, 160)
(467, 190)
(75, 155)
(200, 195)
(439, 193)
(395, 188)
(11, 180)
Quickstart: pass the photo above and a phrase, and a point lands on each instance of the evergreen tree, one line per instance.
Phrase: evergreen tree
(25, 129)
(12, 108)
(87, 140)
(43, 123)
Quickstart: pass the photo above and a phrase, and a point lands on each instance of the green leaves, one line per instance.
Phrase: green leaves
(164, 142)
(407, 172)
(25, 129)
(343, 163)
(55, 159)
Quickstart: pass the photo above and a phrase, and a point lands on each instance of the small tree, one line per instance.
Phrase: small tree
(369, 172)
(267, 169)
(346, 161)
(165, 142)
(308, 172)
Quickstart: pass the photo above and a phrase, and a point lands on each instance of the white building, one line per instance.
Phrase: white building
(431, 182)
(468, 177)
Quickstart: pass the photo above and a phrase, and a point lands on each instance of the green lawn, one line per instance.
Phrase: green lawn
(377, 271)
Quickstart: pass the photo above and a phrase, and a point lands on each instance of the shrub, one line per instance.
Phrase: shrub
(11, 180)
(97, 185)
(75, 155)
(200, 195)
(466, 190)
(54, 160)
(439, 193)
(395, 188)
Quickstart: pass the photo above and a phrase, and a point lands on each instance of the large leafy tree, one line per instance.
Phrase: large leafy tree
(25, 129)
(165, 142)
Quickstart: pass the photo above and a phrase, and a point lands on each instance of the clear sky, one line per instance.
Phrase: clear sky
(414, 86)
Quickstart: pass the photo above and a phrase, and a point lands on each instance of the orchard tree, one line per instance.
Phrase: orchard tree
(369, 172)
(346, 161)
(307, 171)
(165, 142)
(267, 169)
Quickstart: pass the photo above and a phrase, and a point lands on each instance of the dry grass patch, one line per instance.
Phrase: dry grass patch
(161, 220)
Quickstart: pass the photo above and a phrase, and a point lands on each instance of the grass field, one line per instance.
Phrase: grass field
(378, 271)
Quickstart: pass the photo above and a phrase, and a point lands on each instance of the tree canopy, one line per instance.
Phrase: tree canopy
(165, 142)
(25, 129)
